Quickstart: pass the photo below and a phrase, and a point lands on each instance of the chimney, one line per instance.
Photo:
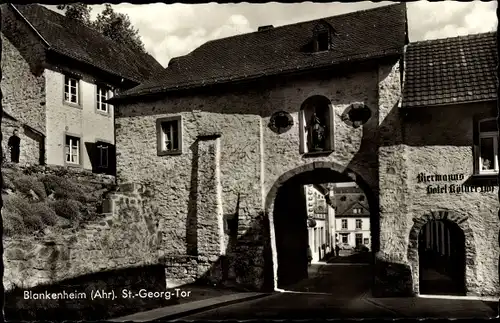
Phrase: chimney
(264, 28)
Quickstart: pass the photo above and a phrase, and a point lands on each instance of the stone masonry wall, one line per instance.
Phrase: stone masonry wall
(127, 237)
(441, 144)
(31, 142)
(252, 157)
(23, 92)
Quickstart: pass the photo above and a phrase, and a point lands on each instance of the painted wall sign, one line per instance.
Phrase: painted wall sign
(281, 122)
(450, 188)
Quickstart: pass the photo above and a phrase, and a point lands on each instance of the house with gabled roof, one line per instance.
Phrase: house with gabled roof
(56, 77)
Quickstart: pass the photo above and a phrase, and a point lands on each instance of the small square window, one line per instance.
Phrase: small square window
(72, 150)
(366, 241)
(169, 135)
(71, 90)
(102, 96)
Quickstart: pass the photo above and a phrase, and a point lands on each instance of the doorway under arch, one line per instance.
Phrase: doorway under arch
(441, 252)
(286, 210)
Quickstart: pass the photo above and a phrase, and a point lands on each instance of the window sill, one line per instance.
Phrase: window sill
(317, 153)
(169, 153)
(71, 104)
(107, 114)
(73, 165)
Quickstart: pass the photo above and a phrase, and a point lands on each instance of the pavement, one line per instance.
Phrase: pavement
(331, 291)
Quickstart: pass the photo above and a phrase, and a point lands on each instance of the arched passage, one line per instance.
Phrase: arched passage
(291, 253)
(441, 254)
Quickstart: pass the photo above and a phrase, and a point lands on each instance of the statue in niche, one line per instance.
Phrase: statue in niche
(316, 134)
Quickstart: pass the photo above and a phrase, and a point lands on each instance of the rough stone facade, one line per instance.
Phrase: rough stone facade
(32, 142)
(252, 158)
(23, 91)
(384, 156)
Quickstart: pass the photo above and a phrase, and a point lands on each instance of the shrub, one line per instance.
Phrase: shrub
(7, 183)
(68, 209)
(64, 188)
(25, 183)
(45, 212)
(13, 225)
(17, 209)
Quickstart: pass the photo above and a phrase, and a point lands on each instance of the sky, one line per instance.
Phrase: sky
(172, 30)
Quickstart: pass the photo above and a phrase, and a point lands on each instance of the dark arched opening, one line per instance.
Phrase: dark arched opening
(292, 237)
(441, 252)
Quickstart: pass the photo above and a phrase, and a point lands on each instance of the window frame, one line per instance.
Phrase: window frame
(360, 221)
(483, 135)
(99, 100)
(79, 150)
(67, 82)
(342, 221)
(346, 236)
(102, 145)
(160, 135)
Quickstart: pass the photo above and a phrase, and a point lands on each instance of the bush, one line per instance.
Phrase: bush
(45, 212)
(25, 183)
(68, 209)
(13, 224)
(64, 188)
(17, 209)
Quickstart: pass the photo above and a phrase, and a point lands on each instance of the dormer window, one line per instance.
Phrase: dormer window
(323, 41)
(322, 36)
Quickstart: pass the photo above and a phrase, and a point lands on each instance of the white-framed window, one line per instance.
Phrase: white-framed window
(487, 156)
(344, 223)
(359, 223)
(345, 237)
(102, 96)
(366, 241)
(72, 150)
(169, 133)
(71, 91)
(103, 155)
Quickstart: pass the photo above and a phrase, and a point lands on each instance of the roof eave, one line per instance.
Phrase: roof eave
(412, 106)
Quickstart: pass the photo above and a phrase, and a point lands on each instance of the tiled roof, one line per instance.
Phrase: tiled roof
(451, 70)
(360, 35)
(347, 210)
(71, 38)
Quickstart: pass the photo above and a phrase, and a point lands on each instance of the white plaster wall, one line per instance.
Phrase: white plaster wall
(83, 121)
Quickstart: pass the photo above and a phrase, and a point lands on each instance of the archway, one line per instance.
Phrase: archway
(285, 206)
(441, 256)
(455, 274)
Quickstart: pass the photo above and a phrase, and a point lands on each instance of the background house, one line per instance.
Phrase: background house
(57, 75)
(352, 216)
(320, 231)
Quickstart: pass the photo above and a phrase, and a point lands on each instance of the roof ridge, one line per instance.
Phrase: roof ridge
(302, 23)
(427, 41)
(74, 21)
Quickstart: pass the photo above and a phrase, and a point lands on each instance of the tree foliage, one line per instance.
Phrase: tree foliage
(114, 25)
